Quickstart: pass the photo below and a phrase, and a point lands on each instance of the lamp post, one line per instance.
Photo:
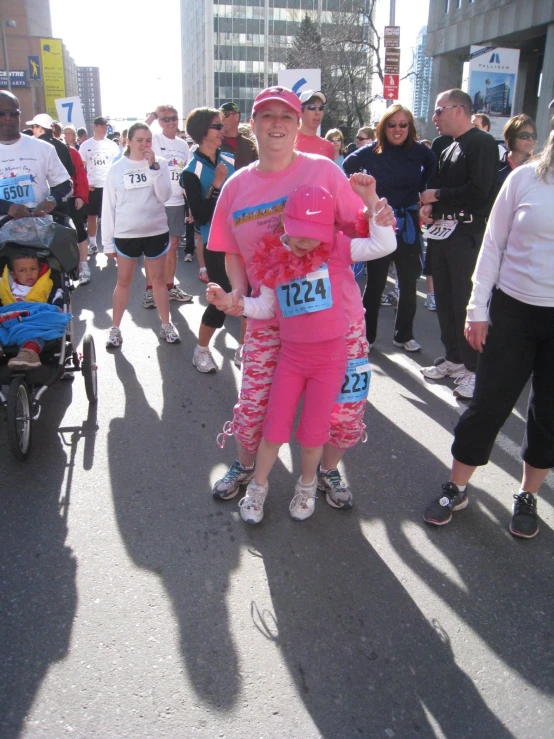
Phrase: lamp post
(10, 24)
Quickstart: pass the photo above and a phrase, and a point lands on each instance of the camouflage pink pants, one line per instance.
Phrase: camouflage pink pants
(261, 350)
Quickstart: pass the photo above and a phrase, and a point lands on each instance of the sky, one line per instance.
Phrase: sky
(139, 50)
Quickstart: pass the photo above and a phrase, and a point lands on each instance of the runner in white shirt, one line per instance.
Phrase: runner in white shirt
(98, 154)
(32, 177)
(176, 153)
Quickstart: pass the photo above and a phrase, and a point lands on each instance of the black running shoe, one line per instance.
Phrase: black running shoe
(440, 510)
(525, 520)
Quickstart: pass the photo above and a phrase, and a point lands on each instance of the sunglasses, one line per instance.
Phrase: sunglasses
(313, 107)
(227, 113)
(438, 111)
(526, 136)
(394, 124)
(216, 126)
(362, 138)
(169, 118)
(10, 113)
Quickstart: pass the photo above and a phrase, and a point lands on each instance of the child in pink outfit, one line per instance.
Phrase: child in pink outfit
(302, 275)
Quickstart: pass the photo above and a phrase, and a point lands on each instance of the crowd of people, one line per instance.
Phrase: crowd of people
(280, 220)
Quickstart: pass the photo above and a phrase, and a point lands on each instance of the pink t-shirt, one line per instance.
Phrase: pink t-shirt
(314, 145)
(251, 205)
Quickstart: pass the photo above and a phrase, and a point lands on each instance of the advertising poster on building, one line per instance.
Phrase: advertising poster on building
(52, 73)
(492, 83)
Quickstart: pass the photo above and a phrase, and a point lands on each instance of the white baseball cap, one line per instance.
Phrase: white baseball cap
(41, 119)
(309, 94)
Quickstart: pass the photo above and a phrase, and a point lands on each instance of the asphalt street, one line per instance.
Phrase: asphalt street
(133, 605)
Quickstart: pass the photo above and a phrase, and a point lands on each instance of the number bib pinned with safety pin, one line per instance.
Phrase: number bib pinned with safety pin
(133, 178)
(308, 294)
(441, 229)
(356, 381)
(17, 189)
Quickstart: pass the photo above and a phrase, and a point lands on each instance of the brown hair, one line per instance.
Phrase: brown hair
(134, 128)
(333, 133)
(513, 126)
(380, 134)
(198, 122)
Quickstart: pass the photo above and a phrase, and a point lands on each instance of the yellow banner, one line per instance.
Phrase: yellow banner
(52, 73)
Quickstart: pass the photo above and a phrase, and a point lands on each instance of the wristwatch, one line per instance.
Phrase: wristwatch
(438, 194)
(155, 166)
(50, 199)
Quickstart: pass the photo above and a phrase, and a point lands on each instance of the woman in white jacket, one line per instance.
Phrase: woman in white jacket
(134, 221)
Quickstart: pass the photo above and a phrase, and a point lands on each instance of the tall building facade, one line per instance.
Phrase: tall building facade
(455, 25)
(423, 69)
(89, 92)
(231, 49)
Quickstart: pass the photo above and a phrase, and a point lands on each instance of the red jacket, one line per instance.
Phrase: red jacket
(80, 180)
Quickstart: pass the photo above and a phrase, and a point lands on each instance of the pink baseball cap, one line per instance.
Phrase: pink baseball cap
(310, 214)
(281, 94)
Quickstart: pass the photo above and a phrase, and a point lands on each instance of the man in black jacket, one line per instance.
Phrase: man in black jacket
(243, 148)
(42, 129)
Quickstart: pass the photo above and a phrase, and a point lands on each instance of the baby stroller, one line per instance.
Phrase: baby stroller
(21, 390)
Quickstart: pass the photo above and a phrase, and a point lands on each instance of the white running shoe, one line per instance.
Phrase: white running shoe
(114, 339)
(466, 385)
(430, 302)
(238, 356)
(84, 275)
(203, 361)
(302, 505)
(409, 346)
(180, 295)
(148, 299)
(188, 258)
(169, 333)
(252, 505)
(92, 248)
(442, 368)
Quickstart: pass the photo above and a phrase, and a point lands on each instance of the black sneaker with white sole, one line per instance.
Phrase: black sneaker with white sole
(525, 520)
(440, 510)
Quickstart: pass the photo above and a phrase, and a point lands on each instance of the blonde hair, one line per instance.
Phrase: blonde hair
(545, 160)
(334, 133)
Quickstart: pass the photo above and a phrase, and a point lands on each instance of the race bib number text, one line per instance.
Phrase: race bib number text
(441, 229)
(307, 295)
(133, 178)
(17, 189)
(356, 381)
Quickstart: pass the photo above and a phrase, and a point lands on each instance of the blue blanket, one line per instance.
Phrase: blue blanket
(45, 322)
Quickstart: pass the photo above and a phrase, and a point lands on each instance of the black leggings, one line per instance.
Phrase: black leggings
(215, 265)
(79, 218)
(520, 345)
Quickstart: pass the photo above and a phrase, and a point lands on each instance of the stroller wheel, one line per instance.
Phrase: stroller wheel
(19, 419)
(90, 370)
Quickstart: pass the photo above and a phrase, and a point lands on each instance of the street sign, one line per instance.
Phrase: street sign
(390, 87)
(70, 111)
(392, 36)
(392, 61)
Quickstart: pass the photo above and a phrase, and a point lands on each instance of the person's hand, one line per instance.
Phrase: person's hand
(189, 219)
(364, 185)
(79, 202)
(220, 175)
(425, 214)
(217, 296)
(476, 334)
(16, 210)
(91, 188)
(428, 196)
(150, 157)
(384, 214)
(43, 208)
(161, 110)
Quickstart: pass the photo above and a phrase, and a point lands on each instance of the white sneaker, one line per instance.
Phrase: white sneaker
(180, 295)
(203, 361)
(148, 299)
(409, 346)
(114, 339)
(84, 275)
(430, 302)
(441, 368)
(302, 505)
(238, 356)
(188, 258)
(466, 385)
(169, 333)
(252, 505)
(92, 249)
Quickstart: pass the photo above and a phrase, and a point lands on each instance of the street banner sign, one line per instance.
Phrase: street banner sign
(70, 111)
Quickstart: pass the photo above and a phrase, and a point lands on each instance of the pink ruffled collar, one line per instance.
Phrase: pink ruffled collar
(274, 264)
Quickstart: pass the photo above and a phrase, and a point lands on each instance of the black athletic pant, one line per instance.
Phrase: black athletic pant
(407, 259)
(453, 265)
(520, 344)
(215, 266)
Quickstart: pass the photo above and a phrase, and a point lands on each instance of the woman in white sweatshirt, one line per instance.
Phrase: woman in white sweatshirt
(134, 221)
(510, 320)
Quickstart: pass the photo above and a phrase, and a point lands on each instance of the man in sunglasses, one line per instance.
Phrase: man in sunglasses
(456, 206)
(33, 181)
(98, 155)
(176, 153)
(244, 149)
(313, 109)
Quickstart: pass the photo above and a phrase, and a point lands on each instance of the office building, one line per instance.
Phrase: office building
(423, 68)
(89, 92)
(455, 25)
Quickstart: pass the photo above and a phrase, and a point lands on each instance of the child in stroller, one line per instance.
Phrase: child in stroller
(31, 284)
